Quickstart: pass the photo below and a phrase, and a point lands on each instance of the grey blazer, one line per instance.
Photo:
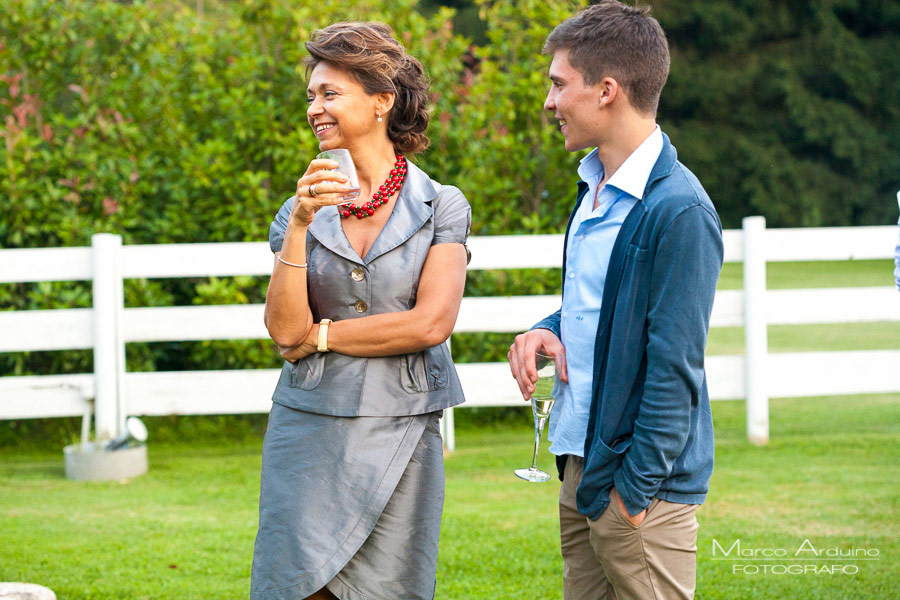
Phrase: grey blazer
(344, 286)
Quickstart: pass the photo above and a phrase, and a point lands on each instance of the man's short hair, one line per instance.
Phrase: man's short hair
(612, 39)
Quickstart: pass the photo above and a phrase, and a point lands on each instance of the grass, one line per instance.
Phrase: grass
(813, 338)
(806, 275)
(185, 530)
(829, 475)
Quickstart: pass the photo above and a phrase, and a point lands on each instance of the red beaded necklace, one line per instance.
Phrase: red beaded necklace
(391, 185)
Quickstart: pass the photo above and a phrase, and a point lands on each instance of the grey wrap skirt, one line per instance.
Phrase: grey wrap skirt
(349, 503)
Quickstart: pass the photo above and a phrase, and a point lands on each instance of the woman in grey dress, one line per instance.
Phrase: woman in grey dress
(361, 301)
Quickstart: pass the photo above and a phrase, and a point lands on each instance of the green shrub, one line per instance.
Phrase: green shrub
(165, 124)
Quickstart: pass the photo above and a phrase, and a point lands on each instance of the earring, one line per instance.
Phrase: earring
(379, 117)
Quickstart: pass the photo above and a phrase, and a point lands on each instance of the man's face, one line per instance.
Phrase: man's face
(575, 105)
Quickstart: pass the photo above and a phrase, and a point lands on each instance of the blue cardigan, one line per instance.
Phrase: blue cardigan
(650, 429)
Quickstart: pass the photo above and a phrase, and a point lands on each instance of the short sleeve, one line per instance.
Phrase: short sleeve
(452, 217)
(279, 225)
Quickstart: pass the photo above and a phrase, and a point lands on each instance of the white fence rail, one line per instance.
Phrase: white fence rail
(115, 393)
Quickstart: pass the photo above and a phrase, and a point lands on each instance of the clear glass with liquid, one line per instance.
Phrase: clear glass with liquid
(345, 166)
(541, 403)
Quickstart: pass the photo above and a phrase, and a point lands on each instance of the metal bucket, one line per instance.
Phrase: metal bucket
(90, 462)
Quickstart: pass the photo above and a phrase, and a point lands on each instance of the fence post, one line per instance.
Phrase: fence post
(109, 363)
(448, 431)
(756, 336)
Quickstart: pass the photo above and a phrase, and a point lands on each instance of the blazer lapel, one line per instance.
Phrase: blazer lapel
(413, 210)
(326, 228)
(663, 167)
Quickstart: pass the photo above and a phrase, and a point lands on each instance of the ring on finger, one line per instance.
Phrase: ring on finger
(312, 191)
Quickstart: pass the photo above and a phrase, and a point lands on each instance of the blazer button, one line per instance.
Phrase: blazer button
(360, 306)
(357, 274)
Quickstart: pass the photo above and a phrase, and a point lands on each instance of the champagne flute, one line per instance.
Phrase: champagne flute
(541, 403)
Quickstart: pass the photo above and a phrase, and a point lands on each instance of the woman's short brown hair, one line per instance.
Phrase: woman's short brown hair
(371, 54)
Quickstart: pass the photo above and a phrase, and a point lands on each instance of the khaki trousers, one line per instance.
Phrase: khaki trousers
(611, 559)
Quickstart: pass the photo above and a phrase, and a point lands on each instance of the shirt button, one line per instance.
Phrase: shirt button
(571, 275)
(360, 306)
(357, 274)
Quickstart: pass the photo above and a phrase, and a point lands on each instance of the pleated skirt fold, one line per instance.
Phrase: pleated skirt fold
(351, 503)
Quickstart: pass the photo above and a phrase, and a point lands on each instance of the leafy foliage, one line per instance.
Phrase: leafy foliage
(185, 122)
(787, 109)
(167, 125)
(517, 174)
(162, 125)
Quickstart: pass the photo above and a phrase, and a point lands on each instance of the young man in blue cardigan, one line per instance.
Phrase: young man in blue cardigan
(631, 428)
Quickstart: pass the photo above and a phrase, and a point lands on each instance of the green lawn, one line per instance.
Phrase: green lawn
(185, 530)
(804, 275)
(813, 338)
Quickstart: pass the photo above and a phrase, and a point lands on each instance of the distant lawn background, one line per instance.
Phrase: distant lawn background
(813, 338)
(185, 530)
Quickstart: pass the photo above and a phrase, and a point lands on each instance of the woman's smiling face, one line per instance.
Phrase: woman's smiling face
(340, 111)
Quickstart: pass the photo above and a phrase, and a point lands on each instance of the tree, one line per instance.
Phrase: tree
(787, 109)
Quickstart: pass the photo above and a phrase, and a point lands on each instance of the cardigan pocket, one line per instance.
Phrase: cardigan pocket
(604, 461)
(619, 446)
(639, 254)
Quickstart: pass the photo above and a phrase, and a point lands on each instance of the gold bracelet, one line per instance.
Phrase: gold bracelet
(290, 264)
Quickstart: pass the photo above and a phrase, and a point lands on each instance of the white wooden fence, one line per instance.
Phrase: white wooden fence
(111, 393)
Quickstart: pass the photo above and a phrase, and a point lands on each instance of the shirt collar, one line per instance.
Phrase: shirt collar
(591, 169)
(632, 176)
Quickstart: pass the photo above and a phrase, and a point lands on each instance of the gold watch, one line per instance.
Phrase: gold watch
(323, 335)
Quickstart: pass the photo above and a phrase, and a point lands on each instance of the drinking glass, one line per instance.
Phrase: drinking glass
(541, 403)
(345, 166)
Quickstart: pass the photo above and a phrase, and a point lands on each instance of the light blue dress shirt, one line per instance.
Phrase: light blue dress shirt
(592, 235)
